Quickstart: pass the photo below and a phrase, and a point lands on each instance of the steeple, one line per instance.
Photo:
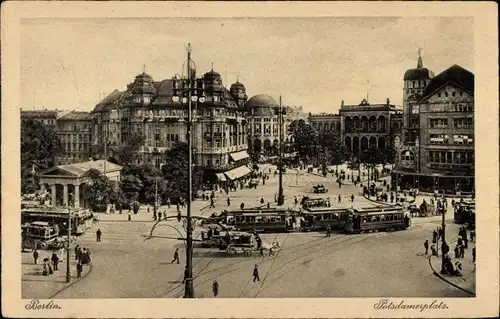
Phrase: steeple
(420, 63)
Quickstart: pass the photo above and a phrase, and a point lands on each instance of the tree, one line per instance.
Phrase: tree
(39, 148)
(370, 158)
(332, 147)
(127, 154)
(131, 186)
(305, 138)
(389, 155)
(100, 191)
(175, 173)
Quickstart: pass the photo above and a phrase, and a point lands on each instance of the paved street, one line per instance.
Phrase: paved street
(126, 265)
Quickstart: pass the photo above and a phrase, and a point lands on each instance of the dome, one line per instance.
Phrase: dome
(144, 77)
(261, 101)
(211, 75)
(418, 74)
(237, 85)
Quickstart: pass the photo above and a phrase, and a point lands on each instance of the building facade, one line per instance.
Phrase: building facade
(264, 126)
(369, 125)
(46, 117)
(437, 149)
(325, 122)
(74, 130)
(158, 111)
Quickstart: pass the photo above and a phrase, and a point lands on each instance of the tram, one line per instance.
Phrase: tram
(81, 219)
(319, 218)
(465, 212)
(364, 220)
(308, 202)
(261, 220)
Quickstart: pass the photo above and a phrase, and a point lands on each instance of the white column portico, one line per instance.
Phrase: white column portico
(65, 194)
(53, 193)
(77, 195)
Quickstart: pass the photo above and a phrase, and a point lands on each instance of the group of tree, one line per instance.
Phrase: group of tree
(326, 147)
(144, 182)
(39, 148)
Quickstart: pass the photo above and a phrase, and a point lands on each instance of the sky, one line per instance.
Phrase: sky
(311, 62)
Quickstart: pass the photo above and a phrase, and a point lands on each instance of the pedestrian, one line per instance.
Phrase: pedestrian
(45, 267)
(262, 200)
(472, 235)
(242, 205)
(460, 241)
(186, 274)
(466, 242)
(296, 200)
(215, 288)
(352, 198)
(474, 256)
(275, 198)
(228, 202)
(340, 198)
(256, 274)
(35, 256)
(79, 270)
(212, 203)
(457, 252)
(268, 205)
(98, 234)
(179, 217)
(462, 251)
(426, 246)
(328, 231)
(434, 236)
(55, 260)
(176, 256)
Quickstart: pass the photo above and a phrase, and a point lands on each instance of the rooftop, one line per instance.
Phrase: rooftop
(455, 74)
(76, 116)
(80, 169)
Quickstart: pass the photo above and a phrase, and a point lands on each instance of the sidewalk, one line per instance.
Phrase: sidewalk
(36, 286)
(467, 282)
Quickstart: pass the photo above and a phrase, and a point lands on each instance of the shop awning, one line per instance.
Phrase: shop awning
(238, 172)
(239, 155)
(221, 177)
(430, 175)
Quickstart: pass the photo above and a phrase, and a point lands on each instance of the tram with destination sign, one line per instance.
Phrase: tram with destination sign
(261, 220)
(376, 219)
(319, 218)
(465, 212)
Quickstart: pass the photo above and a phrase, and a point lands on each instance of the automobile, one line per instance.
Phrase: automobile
(319, 189)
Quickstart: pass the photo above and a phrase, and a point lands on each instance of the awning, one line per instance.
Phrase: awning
(221, 177)
(238, 172)
(239, 155)
(430, 175)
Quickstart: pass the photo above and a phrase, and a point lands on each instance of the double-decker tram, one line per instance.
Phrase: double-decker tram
(377, 219)
(261, 220)
(81, 219)
(319, 218)
(465, 212)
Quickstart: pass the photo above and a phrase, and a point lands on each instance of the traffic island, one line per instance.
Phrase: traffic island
(34, 285)
(466, 282)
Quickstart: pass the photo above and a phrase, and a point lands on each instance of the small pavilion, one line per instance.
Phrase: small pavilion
(67, 183)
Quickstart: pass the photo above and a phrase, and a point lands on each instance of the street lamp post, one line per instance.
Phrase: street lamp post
(68, 256)
(281, 196)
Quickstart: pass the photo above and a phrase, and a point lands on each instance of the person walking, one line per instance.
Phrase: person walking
(55, 260)
(98, 234)
(426, 246)
(256, 274)
(79, 270)
(457, 251)
(262, 200)
(474, 256)
(296, 200)
(462, 251)
(35, 256)
(228, 201)
(215, 288)
(352, 198)
(212, 203)
(242, 205)
(340, 198)
(176, 256)
(328, 231)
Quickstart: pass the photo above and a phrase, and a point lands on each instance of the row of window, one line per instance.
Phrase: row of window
(446, 94)
(267, 129)
(456, 139)
(457, 123)
(451, 157)
(415, 84)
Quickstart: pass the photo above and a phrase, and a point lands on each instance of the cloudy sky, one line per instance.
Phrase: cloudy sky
(313, 62)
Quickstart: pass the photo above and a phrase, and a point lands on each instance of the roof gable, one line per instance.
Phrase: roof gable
(81, 169)
(455, 74)
(58, 171)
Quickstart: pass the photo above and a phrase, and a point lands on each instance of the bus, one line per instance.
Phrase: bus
(364, 220)
(81, 220)
(261, 220)
(465, 212)
(319, 218)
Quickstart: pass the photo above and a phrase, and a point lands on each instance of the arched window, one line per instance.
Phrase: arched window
(407, 156)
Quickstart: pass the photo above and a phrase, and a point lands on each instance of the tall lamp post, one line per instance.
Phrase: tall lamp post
(280, 111)
(189, 288)
(68, 256)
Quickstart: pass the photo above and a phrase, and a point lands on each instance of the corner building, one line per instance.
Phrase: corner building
(158, 111)
(437, 149)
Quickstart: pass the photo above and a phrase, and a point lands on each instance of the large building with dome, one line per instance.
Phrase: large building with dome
(157, 111)
(436, 151)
